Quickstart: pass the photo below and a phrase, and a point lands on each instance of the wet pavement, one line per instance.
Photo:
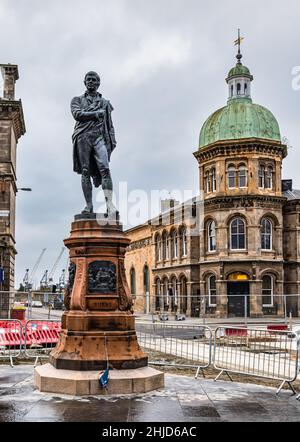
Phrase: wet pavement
(184, 399)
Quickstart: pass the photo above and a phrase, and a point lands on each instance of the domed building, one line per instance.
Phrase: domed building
(245, 257)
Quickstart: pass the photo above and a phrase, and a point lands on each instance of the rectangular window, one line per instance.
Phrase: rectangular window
(212, 295)
(231, 179)
(242, 178)
(268, 292)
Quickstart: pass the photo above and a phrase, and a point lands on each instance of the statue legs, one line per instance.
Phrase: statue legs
(107, 186)
(101, 157)
(87, 191)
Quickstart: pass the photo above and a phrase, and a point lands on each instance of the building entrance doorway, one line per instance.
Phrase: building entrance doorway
(238, 299)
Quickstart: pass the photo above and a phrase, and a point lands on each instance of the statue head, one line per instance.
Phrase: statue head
(92, 81)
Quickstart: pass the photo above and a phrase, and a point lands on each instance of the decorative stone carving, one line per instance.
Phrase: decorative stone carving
(68, 291)
(102, 277)
(125, 299)
(140, 244)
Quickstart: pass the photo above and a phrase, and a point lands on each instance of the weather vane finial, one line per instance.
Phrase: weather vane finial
(238, 43)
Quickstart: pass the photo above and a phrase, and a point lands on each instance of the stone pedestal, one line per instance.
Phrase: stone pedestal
(81, 383)
(99, 324)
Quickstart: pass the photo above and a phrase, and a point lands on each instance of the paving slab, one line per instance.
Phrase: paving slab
(183, 399)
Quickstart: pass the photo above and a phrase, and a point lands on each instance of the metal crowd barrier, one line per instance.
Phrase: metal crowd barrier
(11, 336)
(192, 343)
(255, 352)
(41, 336)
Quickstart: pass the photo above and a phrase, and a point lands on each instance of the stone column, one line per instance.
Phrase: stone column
(256, 309)
(222, 299)
(189, 298)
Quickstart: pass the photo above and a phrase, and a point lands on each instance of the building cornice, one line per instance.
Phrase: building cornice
(241, 147)
(244, 201)
(13, 110)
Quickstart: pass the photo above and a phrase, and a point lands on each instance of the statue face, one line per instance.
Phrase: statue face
(92, 82)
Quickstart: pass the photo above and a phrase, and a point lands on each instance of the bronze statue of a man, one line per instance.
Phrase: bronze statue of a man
(93, 142)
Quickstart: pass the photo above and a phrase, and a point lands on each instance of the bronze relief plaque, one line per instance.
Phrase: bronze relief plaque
(102, 277)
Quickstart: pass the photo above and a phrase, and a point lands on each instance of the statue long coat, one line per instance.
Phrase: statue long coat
(80, 107)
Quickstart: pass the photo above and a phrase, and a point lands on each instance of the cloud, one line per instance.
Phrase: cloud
(153, 53)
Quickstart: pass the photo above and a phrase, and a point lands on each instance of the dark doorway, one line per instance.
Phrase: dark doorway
(238, 293)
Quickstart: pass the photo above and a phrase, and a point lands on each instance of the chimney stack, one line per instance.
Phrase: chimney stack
(10, 75)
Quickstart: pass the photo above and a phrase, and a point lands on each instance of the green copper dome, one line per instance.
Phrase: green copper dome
(240, 119)
(239, 70)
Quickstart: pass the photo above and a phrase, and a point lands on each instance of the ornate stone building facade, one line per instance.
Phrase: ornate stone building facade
(246, 255)
(12, 127)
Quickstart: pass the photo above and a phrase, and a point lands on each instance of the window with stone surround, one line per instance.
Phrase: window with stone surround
(174, 245)
(238, 234)
(183, 242)
(231, 177)
(242, 177)
(132, 281)
(158, 248)
(211, 235)
(268, 291)
(269, 177)
(261, 176)
(266, 235)
(166, 247)
(207, 182)
(214, 180)
(212, 291)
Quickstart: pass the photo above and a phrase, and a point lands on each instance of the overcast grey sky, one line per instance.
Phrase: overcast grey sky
(163, 66)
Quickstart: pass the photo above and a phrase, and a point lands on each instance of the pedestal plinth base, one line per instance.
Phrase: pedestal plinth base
(77, 383)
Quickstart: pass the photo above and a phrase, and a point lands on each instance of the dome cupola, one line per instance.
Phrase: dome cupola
(240, 118)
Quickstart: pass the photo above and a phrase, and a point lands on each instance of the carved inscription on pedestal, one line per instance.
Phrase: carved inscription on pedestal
(102, 277)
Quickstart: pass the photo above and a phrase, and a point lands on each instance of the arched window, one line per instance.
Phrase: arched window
(231, 177)
(174, 245)
(214, 180)
(166, 293)
(238, 234)
(183, 295)
(158, 247)
(212, 291)
(261, 177)
(207, 182)
(158, 298)
(245, 88)
(268, 291)
(132, 281)
(266, 234)
(146, 279)
(183, 237)
(238, 88)
(174, 293)
(242, 177)
(269, 178)
(232, 90)
(211, 230)
(166, 247)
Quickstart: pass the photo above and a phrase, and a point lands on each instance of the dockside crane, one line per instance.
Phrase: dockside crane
(28, 278)
(50, 278)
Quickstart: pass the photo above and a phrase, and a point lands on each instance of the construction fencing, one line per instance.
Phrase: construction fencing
(190, 343)
(33, 339)
(268, 353)
(263, 353)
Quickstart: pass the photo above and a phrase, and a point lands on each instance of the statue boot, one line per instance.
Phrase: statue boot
(107, 187)
(87, 191)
